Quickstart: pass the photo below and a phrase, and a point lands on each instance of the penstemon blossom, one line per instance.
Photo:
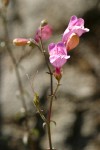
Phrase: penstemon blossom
(74, 30)
(44, 33)
(70, 39)
(57, 56)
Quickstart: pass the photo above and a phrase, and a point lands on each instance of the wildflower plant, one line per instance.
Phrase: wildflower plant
(58, 56)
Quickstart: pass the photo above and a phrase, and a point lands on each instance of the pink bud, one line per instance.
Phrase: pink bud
(44, 33)
(20, 41)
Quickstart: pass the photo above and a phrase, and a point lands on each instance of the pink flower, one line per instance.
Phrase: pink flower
(58, 54)
(75, 26)
(44, 33)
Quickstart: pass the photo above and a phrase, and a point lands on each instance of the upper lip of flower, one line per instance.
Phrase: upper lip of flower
(76, 25)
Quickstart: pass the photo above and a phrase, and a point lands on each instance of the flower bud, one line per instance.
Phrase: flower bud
(43, 23)
(58, 74)
(43, 32)
(20, 42)
(72, 42)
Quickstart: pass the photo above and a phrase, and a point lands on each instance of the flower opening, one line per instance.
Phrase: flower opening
(58, 54)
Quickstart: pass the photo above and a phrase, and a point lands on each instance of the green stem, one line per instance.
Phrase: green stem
(49, 136)
(52, 93)
(51, 87)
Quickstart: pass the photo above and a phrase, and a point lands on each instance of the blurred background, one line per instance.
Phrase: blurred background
(77, 108)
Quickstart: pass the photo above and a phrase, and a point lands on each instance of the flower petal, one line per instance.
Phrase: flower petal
(73, 41)
(75, 26)
(58, 54)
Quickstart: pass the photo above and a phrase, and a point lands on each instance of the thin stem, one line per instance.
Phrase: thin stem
(44, 53)
(51, 87)
(58, 84)
(52, 97)
(53, 94)
(15, 66)
(49, 136)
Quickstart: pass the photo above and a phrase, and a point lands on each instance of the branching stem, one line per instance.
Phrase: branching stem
(52, 95)
(15, 66)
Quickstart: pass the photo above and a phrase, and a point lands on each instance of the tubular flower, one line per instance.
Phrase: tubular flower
(75, 27)
(58, 54)
(44, 33)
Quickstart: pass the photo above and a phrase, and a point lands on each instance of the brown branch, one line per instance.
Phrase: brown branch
(8, 47)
